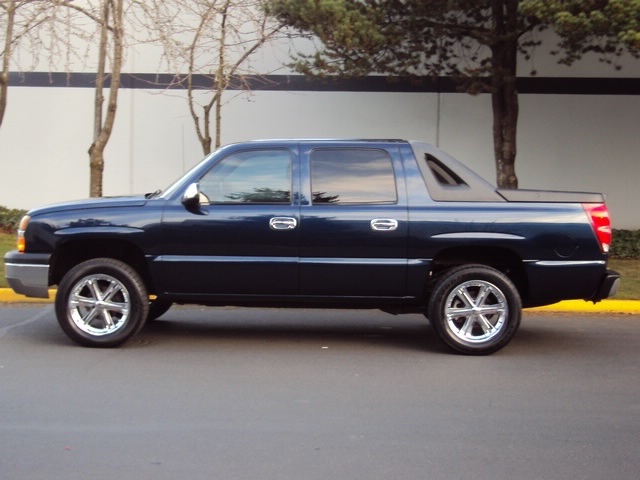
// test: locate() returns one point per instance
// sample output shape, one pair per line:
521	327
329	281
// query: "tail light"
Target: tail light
600	222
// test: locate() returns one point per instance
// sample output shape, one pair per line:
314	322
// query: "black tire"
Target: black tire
474	309
101	303
157	308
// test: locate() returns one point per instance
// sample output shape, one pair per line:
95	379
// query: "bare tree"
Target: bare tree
9	9
56	33
111	22
109	17
208	45
19	20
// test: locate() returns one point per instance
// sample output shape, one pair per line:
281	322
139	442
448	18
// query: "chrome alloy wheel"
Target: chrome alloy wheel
99	304
476	311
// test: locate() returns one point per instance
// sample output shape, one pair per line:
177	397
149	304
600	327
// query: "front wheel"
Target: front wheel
475	309
101	303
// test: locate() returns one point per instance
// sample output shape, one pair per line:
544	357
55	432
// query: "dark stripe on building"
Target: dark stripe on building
300	83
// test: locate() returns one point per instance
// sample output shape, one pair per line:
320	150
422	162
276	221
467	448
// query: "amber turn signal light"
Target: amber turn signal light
22	243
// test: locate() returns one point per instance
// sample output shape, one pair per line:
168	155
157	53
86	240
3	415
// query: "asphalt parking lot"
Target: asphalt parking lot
307	394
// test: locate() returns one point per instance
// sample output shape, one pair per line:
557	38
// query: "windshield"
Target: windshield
171	189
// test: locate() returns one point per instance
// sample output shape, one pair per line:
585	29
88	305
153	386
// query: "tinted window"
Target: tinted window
340	176
255	176
444	175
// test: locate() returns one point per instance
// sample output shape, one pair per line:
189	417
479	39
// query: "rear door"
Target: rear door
353	235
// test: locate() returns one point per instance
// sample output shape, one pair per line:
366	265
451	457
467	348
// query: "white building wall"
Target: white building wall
566	142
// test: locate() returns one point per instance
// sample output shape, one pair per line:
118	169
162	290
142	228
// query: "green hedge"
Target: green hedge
625	244
10	218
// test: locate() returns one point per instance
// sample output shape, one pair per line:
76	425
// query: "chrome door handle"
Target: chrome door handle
384	224
283	223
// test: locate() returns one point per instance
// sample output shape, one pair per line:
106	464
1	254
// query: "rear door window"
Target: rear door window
352	176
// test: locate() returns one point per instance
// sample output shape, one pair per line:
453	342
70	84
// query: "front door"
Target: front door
243	239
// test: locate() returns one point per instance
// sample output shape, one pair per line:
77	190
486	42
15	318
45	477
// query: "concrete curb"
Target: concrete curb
606	306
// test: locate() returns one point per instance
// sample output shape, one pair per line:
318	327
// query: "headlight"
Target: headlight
22	244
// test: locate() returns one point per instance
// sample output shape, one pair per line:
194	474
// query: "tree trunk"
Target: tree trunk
96	151
6	59
220	74
103	129
504	94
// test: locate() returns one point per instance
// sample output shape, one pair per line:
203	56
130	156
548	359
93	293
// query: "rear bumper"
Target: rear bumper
608	286
28	273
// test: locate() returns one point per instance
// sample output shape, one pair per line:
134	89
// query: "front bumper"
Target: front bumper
28	273
608	286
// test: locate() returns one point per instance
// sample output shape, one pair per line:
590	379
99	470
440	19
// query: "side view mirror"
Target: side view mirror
191	197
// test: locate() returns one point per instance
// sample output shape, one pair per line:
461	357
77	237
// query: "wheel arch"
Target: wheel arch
73	252
502	259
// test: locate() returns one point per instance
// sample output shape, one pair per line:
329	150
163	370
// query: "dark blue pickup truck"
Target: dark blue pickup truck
389	224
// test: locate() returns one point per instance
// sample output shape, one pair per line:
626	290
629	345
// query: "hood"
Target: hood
91	203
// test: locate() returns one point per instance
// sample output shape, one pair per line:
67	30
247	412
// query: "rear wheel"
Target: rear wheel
101	303
475	309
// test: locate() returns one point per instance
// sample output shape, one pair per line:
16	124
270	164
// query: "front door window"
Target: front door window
256	176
